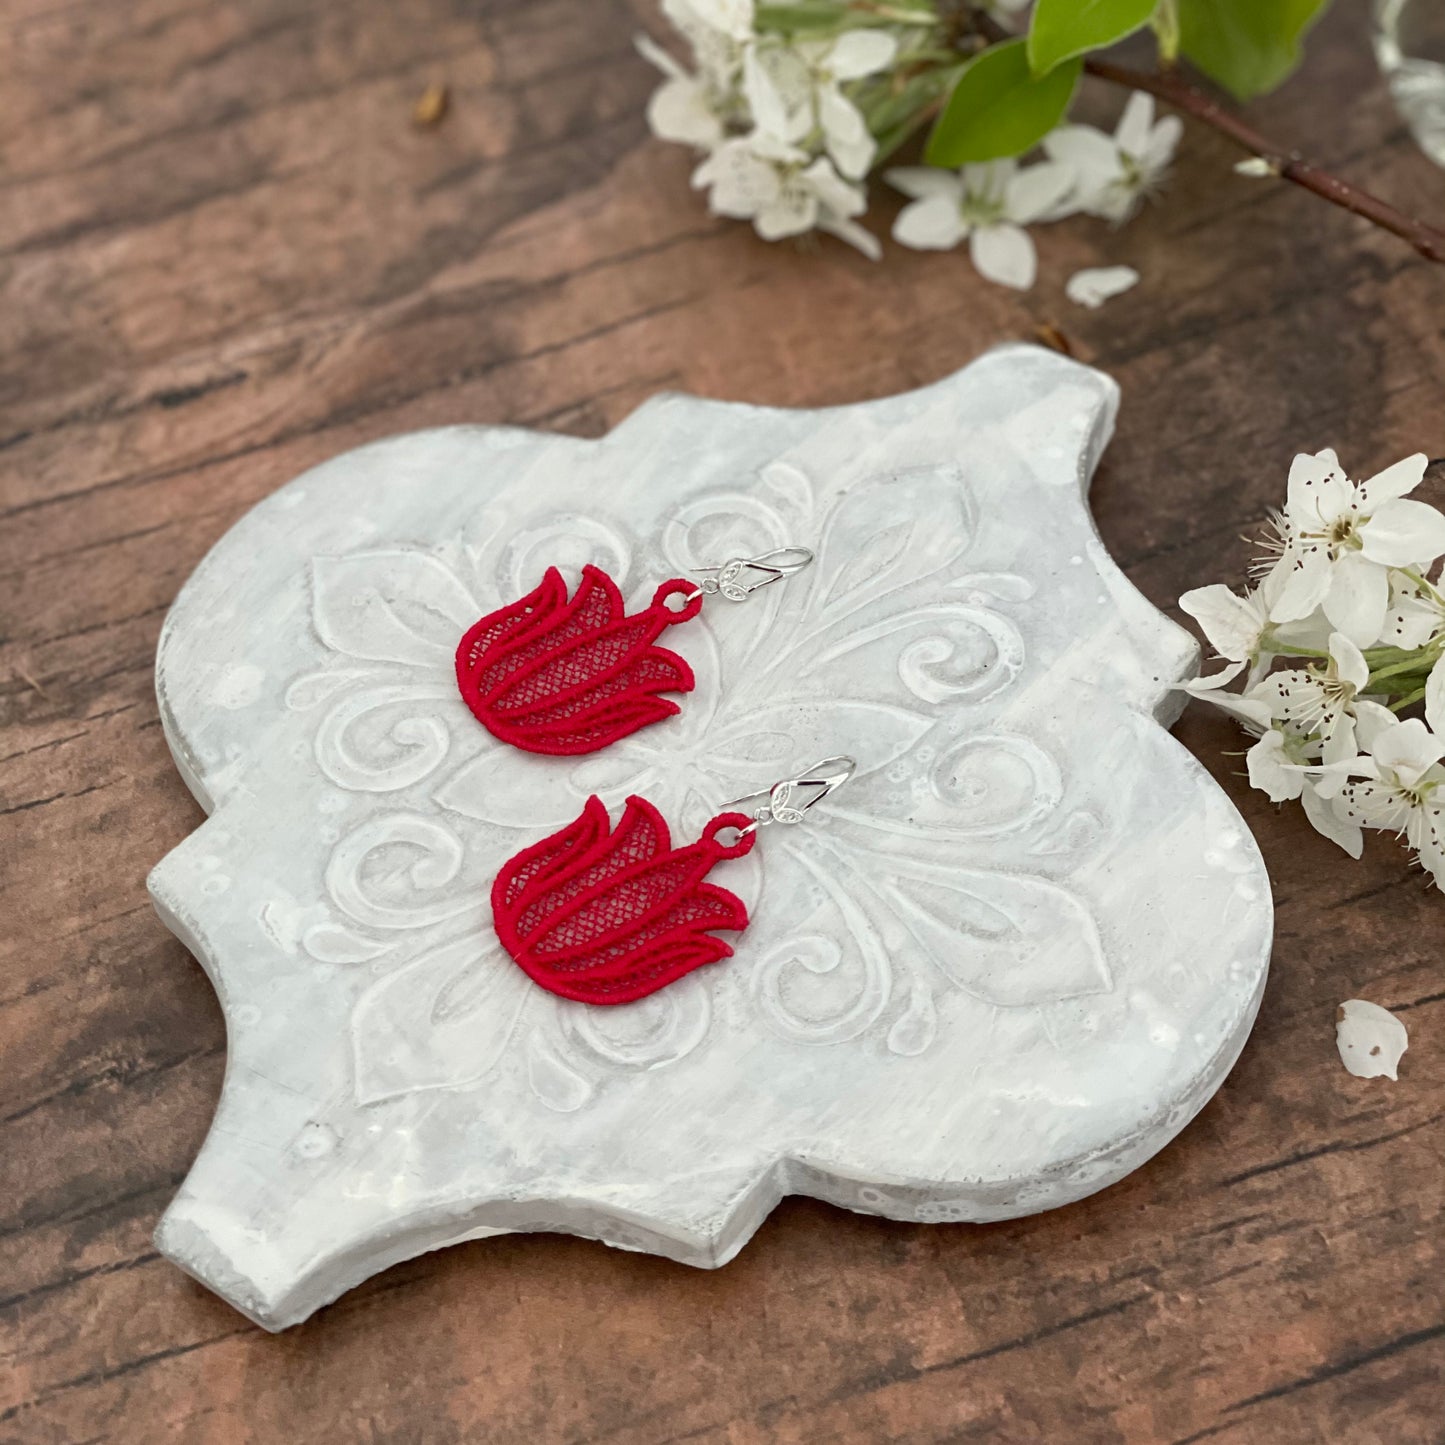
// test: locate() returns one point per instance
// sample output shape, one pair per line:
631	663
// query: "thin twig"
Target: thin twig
1174	90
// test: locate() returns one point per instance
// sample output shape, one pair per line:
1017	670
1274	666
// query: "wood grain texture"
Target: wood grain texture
225	254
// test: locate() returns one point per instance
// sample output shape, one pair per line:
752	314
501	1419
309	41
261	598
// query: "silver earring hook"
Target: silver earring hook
776	804
739	577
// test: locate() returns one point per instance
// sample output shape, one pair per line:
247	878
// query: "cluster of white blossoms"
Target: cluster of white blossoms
989	205
1339	653
784	127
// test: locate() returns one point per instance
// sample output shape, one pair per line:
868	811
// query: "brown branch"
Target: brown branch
1175	90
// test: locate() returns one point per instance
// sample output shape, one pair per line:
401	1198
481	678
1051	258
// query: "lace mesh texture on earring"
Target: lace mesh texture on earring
550	675
609	916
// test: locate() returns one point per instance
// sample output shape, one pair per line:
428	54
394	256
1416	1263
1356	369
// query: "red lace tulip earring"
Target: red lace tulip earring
606	915
549	675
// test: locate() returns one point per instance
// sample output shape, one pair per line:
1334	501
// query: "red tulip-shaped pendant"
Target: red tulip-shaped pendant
608	916
552	675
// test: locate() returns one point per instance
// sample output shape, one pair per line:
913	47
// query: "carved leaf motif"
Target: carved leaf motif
1003	586
876	731
876	555
554	1081
315	687
331	943
486	788
895	529
649	1034
442	1020
390	606
1008	939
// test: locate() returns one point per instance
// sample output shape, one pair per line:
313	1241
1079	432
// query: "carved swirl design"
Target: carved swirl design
411	748
415	895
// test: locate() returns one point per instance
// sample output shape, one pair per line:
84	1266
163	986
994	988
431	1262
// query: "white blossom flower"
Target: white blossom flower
1096	285
1415	614
1240	628
1340	537
1277	764
1113	174
782	191
987	204
1319	700
1284	766
1401	789
1235	626
682	109
795	91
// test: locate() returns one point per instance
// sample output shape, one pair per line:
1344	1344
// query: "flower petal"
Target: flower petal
678	112
1371	719
1253	712
654	54
1408	749
1318	488
859	237
1350	664
1358	598
1036	189
1412	619
1222	678
764	99
934	223
741	184
1329	824
920	182
846	134
1004	253
1090	152
1400	533
861	52
791	214
1095	285
1370	1039
1135	125
734	18
1231	623
1395	481
1306	570
1163	142
1435	698
1270	770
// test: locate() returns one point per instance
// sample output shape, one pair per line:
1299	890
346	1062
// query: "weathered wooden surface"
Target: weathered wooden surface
225	255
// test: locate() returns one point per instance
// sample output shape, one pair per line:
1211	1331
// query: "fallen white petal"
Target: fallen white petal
1257	167
1093	287
1370	1039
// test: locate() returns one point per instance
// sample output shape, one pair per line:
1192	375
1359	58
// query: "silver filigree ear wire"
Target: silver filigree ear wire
780	802
739	577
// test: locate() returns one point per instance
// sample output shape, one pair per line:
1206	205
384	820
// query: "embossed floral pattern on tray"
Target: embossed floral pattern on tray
447	1004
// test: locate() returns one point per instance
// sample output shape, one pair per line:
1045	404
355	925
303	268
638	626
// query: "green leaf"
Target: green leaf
897	116
1062	29
1248	46
999	108
802	15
